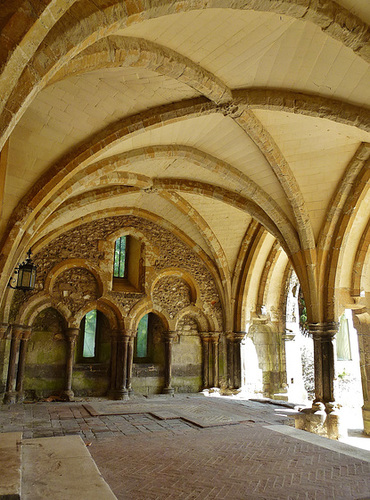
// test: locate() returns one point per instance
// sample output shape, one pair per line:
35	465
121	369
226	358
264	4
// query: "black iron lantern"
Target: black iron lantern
26	274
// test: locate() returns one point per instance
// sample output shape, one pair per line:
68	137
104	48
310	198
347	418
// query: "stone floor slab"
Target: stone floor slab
10	465
61	468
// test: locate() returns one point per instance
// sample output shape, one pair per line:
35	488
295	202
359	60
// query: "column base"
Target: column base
10	398
131	392
121	395
68	395
169	390
321	419
20	397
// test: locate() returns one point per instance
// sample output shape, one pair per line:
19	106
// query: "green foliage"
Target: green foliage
343	375
90	334
119	269
303	320
142	338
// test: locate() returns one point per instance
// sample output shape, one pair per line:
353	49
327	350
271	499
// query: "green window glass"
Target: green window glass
119	270
142	338
89	335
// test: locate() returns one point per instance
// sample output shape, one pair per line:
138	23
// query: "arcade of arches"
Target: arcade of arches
229	142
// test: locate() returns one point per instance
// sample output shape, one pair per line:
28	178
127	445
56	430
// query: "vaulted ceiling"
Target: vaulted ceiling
202	115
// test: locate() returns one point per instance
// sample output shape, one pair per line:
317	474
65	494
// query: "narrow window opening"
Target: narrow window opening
142	338
120	260
89	338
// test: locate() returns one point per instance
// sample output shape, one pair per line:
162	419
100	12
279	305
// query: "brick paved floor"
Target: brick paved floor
143	457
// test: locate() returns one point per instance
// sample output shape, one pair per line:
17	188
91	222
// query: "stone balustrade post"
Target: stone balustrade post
22	362
168	342
10	395
71	335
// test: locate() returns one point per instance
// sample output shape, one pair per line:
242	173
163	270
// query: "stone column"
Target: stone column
215	359
121	376
205	360
71	336
22	362
130	360
323	334
113	363
168	342
237	369
229	358
10	395
4	336
361	321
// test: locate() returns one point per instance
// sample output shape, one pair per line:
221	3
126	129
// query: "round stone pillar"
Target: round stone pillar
130	361
22	362
16	335
234	359
323	334
215	359
168	342
121	375
205	359
71	335
113	362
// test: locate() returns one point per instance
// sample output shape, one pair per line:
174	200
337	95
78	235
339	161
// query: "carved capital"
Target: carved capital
169	336
4	330
72	334
236	337
26	334
17	331
206	336
323	331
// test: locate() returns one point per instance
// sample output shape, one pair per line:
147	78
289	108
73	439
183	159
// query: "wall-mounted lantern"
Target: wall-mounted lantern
26	274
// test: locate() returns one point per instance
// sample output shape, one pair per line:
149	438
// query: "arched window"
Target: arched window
89	332
120	260
142	338
128	270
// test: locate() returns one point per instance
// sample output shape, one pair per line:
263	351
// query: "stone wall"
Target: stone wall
72	276
46	356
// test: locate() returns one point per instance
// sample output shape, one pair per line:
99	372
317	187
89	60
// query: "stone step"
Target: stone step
10	465
61	468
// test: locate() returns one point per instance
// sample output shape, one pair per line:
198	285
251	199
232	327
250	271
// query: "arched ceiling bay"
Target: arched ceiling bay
227	223
318	152
259	49
173	116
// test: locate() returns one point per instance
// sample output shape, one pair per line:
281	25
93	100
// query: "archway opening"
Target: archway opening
252	378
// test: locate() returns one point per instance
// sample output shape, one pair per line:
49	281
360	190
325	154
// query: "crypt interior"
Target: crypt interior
178	170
